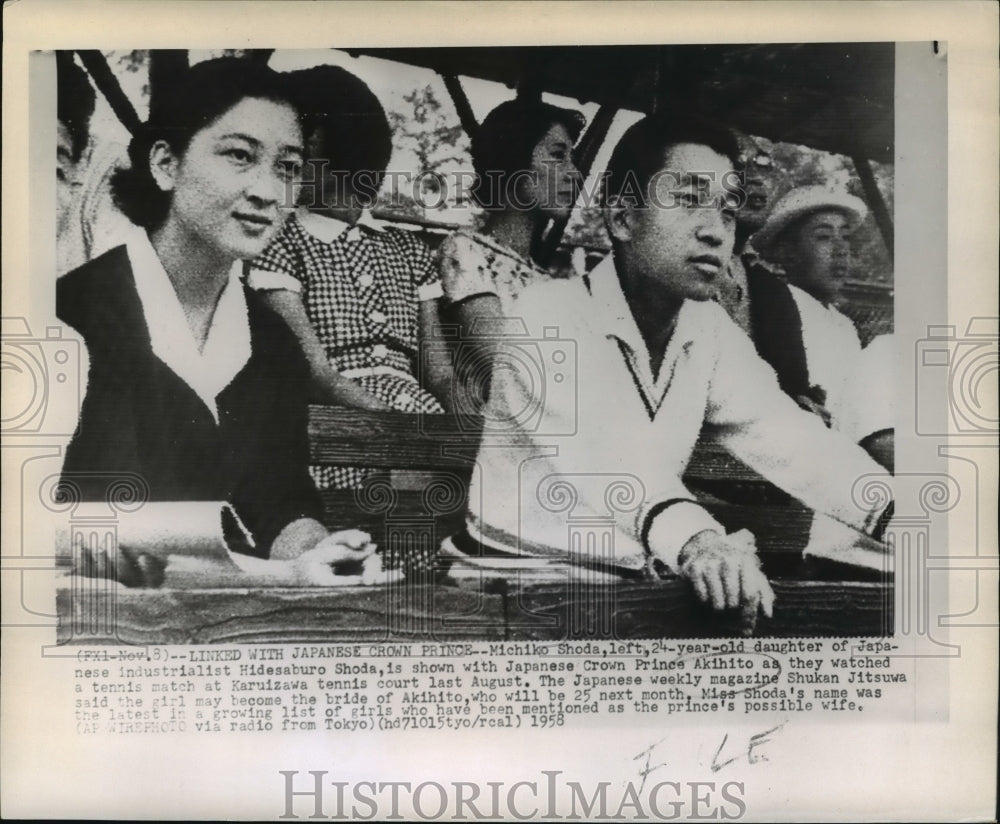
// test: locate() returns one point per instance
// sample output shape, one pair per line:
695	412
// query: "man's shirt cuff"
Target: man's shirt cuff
666	526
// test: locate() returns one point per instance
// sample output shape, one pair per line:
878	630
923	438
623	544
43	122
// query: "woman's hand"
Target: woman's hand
128	567
344	558
308	555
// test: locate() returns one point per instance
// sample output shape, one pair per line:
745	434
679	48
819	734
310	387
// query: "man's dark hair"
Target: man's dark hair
504	141
75	100
191	101
356	136
642	150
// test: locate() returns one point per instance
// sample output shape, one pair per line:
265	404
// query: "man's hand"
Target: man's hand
725	572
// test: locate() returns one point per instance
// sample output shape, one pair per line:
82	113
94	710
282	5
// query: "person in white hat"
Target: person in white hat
808	234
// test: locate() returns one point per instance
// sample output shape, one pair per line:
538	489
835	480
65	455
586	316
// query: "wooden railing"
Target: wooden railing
444	449
418	498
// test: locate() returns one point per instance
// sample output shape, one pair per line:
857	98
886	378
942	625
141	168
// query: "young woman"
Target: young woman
523	158
360	297
195	387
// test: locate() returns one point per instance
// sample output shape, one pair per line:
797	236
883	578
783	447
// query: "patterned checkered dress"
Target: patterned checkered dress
362	291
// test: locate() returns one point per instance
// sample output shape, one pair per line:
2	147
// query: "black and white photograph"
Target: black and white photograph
538	342
377	393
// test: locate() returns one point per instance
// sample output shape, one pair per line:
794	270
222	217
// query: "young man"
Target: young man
812	346
597	425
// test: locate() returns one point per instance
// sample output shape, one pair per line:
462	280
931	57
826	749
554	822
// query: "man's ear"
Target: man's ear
163	165
619	219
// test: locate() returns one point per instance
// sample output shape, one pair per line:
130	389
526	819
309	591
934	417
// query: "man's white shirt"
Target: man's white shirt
606	442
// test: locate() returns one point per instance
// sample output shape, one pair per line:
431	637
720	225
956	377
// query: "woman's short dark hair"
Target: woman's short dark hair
504	141
75	100
641	151
188	103
356	136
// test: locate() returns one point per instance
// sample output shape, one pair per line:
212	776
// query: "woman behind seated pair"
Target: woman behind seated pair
525	177
361	298
194	385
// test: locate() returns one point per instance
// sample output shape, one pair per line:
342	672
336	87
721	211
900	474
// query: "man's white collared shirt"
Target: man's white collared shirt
597	441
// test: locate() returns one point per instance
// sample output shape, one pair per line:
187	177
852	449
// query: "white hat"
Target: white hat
800	202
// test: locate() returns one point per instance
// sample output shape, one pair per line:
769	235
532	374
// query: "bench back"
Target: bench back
426	461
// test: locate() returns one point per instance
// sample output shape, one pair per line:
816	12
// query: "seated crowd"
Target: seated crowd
221	314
